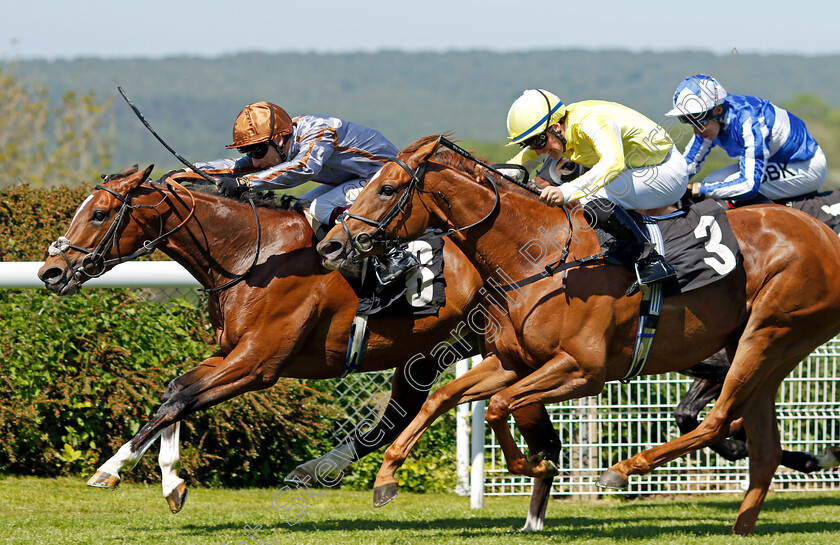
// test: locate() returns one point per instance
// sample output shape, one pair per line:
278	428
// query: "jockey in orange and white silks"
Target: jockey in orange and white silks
777	156
280	152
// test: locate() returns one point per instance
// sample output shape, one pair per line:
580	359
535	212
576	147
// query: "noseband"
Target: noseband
94	263
365	242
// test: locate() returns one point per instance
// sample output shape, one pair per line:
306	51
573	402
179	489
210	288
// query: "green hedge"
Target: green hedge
80	375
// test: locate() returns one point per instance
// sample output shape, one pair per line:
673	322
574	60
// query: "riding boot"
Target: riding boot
393	265
650	266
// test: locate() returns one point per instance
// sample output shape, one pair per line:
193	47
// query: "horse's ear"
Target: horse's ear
131	180
422	154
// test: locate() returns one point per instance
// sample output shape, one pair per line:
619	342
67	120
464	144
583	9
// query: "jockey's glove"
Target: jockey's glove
231	186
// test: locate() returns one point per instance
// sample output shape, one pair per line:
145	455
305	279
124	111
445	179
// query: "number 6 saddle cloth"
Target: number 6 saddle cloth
824	206
421	292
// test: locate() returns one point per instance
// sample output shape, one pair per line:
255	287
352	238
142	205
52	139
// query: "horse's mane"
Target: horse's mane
460	163
265	199
447	157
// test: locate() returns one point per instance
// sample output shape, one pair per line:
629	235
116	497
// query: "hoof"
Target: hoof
385	493
830	458
551	470
101	479
177	497
611	479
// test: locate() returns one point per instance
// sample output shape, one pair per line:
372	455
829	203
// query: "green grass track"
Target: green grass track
64	511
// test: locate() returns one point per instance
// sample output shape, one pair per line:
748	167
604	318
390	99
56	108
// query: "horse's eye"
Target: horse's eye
99	215
387	190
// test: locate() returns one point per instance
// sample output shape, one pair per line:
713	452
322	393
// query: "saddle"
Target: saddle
696	241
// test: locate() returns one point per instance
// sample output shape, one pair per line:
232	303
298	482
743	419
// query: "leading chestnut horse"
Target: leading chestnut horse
288	317
565	336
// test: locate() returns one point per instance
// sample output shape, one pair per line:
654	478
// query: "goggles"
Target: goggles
536	142
257	151
696	119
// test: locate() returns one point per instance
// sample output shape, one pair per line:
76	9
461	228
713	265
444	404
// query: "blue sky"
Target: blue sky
53	29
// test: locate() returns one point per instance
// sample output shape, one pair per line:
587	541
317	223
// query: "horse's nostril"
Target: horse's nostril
50	274
330	248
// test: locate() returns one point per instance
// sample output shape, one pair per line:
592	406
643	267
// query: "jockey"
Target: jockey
630	158
281	152
778	158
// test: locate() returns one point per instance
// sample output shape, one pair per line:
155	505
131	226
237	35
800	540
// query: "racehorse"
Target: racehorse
287	317
565	336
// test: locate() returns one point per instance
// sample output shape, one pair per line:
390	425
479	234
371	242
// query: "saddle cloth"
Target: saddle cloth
697	242
421	292
823	206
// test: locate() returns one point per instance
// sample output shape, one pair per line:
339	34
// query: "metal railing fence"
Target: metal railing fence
623	420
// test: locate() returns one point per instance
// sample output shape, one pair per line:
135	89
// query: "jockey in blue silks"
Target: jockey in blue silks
777	156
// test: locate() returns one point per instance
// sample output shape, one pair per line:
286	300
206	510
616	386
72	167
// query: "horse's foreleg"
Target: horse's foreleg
478	383
558	380
216	380
407	396
543	442
108	474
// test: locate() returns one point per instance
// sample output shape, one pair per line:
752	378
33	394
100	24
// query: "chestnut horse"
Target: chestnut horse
289	317
565	336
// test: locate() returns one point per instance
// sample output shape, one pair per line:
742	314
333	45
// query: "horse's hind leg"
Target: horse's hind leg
704	390
701	392
765	451
763	359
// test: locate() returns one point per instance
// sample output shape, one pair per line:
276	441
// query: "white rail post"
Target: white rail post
477	451
462	437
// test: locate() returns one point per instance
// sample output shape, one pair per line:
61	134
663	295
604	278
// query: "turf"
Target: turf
64	511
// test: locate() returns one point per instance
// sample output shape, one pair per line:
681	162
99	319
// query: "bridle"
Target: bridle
365	242
93	263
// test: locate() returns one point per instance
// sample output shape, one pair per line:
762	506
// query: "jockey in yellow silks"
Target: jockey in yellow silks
631	161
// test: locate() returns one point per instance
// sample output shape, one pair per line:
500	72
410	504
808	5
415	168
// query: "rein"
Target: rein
364	242
550	270
240	277
94	263
197	172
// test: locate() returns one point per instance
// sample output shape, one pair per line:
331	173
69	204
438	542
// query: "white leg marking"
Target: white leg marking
169	458
125	458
